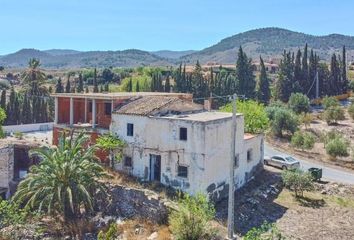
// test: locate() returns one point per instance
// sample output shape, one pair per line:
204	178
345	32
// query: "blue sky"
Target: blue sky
159	24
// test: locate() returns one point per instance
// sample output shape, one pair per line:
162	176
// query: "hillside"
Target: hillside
172	54
76	59
270	43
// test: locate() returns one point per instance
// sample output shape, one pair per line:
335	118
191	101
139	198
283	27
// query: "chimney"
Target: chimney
207	104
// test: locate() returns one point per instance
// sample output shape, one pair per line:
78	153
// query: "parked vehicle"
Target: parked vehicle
283	162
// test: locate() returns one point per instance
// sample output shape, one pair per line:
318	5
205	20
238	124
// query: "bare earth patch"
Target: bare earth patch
326	213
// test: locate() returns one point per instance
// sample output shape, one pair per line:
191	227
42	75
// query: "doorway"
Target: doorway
155	167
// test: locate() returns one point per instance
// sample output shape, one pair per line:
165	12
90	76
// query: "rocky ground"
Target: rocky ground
326	213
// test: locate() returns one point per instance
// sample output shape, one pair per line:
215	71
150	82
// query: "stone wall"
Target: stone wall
6	165
134	203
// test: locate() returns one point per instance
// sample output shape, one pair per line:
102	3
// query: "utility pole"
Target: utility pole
231	212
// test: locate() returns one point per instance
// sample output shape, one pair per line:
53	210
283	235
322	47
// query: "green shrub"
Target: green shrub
266	231
351	111
18	135
256	119
328	136
337	147
11	214
328	102
299	103
297	181
309	141
351	85
112	233
306	119
333	114
191	220
303	140
297	140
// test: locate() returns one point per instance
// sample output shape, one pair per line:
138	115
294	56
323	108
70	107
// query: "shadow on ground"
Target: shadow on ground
309	202
254	203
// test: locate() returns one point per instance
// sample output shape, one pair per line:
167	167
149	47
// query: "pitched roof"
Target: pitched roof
152	105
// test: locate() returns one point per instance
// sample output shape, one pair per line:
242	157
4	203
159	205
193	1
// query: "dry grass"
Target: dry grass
142	229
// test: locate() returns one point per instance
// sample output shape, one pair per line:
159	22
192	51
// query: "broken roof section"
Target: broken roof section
159	106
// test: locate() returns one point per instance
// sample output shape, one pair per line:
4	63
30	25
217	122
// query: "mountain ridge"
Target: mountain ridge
269	42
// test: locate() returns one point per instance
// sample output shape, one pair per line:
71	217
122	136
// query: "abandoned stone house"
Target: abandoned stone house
15	162
169	138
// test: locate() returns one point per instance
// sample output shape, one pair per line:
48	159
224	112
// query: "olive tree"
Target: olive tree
303	140
337	147
297	181
282	120
333	114
299	103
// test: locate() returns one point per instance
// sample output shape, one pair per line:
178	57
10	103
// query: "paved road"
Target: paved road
328	173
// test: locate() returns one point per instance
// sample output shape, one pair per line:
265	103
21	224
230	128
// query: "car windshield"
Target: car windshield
290	159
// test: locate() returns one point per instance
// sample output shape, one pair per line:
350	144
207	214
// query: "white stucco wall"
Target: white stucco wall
24	128
206	152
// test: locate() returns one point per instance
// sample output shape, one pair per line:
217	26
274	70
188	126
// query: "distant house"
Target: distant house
270	67
169	138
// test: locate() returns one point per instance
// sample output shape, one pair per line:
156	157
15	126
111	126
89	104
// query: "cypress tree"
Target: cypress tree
305	71
17	110
298	79
106	87
3	99
335	76
80	86
244	75
67	86
263	88
137	88
10	108
95	84
345	82
284	85
130	85
167	84
26	110
59	86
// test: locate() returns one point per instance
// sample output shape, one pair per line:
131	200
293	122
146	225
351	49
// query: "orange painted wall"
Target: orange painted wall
102	155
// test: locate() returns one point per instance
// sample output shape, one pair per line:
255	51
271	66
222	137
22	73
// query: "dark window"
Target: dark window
108	108
130	129
237	161
183	134
182	171
90	107
128	162
249	155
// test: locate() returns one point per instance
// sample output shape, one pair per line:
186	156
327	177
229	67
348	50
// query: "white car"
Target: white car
283	162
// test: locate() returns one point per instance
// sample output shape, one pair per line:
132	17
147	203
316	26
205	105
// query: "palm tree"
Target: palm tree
34	78
65	180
